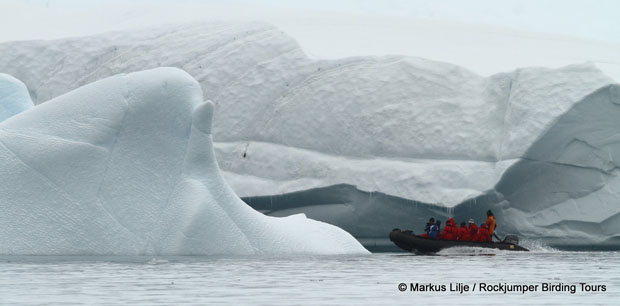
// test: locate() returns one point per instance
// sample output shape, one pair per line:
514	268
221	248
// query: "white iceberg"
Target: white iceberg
126	166
404	126
366	143
14	97
565	188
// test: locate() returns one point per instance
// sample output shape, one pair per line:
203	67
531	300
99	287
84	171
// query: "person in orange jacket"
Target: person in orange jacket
483	234
451	231
473	229
463	233
491	223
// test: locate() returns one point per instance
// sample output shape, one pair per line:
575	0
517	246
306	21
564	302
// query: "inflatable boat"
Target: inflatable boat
417	244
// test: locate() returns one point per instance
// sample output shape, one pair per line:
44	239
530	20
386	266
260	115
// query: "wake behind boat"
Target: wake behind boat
417	244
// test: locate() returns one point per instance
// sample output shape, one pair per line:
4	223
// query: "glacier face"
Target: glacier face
14	97
380	133
404	126
126	165
564	189
577	162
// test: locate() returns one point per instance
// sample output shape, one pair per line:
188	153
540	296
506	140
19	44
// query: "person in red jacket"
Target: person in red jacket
446	234
455	230
451	231
463	233
483	234
473	229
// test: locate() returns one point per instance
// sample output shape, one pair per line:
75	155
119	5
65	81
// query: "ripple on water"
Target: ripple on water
314	280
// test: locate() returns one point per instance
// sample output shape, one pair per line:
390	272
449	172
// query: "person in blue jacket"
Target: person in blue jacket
427	228
435	230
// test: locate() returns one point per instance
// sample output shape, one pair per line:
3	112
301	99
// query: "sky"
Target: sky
485	36
598	19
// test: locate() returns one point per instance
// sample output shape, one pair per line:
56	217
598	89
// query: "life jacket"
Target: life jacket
464	234
473	231
483	234
451	231
433	231
491	223
446	232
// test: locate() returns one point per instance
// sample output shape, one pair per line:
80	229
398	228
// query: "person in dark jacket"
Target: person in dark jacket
427	228
433	231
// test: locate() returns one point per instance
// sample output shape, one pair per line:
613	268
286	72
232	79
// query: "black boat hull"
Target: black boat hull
417	244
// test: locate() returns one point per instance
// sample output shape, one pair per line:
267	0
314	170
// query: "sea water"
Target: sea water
376	279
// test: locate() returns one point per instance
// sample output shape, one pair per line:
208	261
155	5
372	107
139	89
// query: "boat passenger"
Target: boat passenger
483	234
427	228
473	229
433	231
463	233
451	231
490	222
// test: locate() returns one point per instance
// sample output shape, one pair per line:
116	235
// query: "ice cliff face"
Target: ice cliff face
126	166
408	127
14	97
368	143
577	162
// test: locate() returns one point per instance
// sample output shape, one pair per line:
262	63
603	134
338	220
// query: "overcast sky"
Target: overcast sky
596	19
485	36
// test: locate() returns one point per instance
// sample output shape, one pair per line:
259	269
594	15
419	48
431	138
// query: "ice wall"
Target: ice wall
393	129
14	97
566	187
126	166
564	190
403	126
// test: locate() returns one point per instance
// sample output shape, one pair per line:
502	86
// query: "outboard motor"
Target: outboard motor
512	239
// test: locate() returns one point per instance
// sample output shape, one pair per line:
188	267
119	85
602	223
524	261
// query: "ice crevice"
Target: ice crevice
602	171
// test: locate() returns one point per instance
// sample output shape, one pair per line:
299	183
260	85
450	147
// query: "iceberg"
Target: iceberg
565	188
366	143
405	126
14	97
126	166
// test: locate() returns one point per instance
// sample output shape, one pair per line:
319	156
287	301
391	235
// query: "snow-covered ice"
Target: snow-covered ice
405	126
566	186
126	165
14	97
373	142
